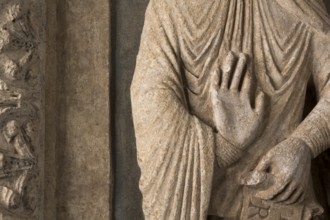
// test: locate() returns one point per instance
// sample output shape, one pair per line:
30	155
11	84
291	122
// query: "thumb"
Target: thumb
215	79
263	164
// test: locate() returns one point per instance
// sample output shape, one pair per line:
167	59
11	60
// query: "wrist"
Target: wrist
226	152
300	143
308	146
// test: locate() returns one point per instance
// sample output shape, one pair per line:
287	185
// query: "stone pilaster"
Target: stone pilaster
83	137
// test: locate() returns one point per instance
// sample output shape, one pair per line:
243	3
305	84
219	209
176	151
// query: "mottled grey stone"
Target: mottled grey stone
83	179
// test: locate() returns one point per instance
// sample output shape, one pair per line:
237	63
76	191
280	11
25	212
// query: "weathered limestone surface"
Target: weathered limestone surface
51	112
129	16
22	70
83	141
75	200
219	99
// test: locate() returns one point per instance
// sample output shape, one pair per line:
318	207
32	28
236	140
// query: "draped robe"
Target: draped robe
183	41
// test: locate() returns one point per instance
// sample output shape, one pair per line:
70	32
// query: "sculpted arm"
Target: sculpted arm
315	129
158	98
290	161
175	149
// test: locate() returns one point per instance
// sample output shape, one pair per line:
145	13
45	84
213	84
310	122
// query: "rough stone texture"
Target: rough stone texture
22	71
129	16
82	144
51	112
218	98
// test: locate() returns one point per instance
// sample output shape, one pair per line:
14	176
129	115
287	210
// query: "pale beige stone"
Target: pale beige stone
218	97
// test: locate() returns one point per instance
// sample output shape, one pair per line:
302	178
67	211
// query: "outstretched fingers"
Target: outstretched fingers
228	67
260	103
214	93
247	83
214	86
215	80
240	67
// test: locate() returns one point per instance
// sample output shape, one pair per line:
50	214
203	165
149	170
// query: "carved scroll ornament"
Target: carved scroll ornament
20	106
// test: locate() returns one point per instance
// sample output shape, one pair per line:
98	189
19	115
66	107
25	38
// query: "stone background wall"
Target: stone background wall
128	23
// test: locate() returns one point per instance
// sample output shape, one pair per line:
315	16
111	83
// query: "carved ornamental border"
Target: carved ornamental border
21	107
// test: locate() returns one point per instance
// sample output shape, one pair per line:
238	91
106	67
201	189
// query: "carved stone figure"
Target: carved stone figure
218	100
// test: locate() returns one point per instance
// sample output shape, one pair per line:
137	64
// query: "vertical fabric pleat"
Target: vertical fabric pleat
183	41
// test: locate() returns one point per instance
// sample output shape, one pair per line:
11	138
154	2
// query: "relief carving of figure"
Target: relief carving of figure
219	98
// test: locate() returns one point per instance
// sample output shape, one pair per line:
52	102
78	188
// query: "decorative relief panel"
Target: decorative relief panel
20	106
